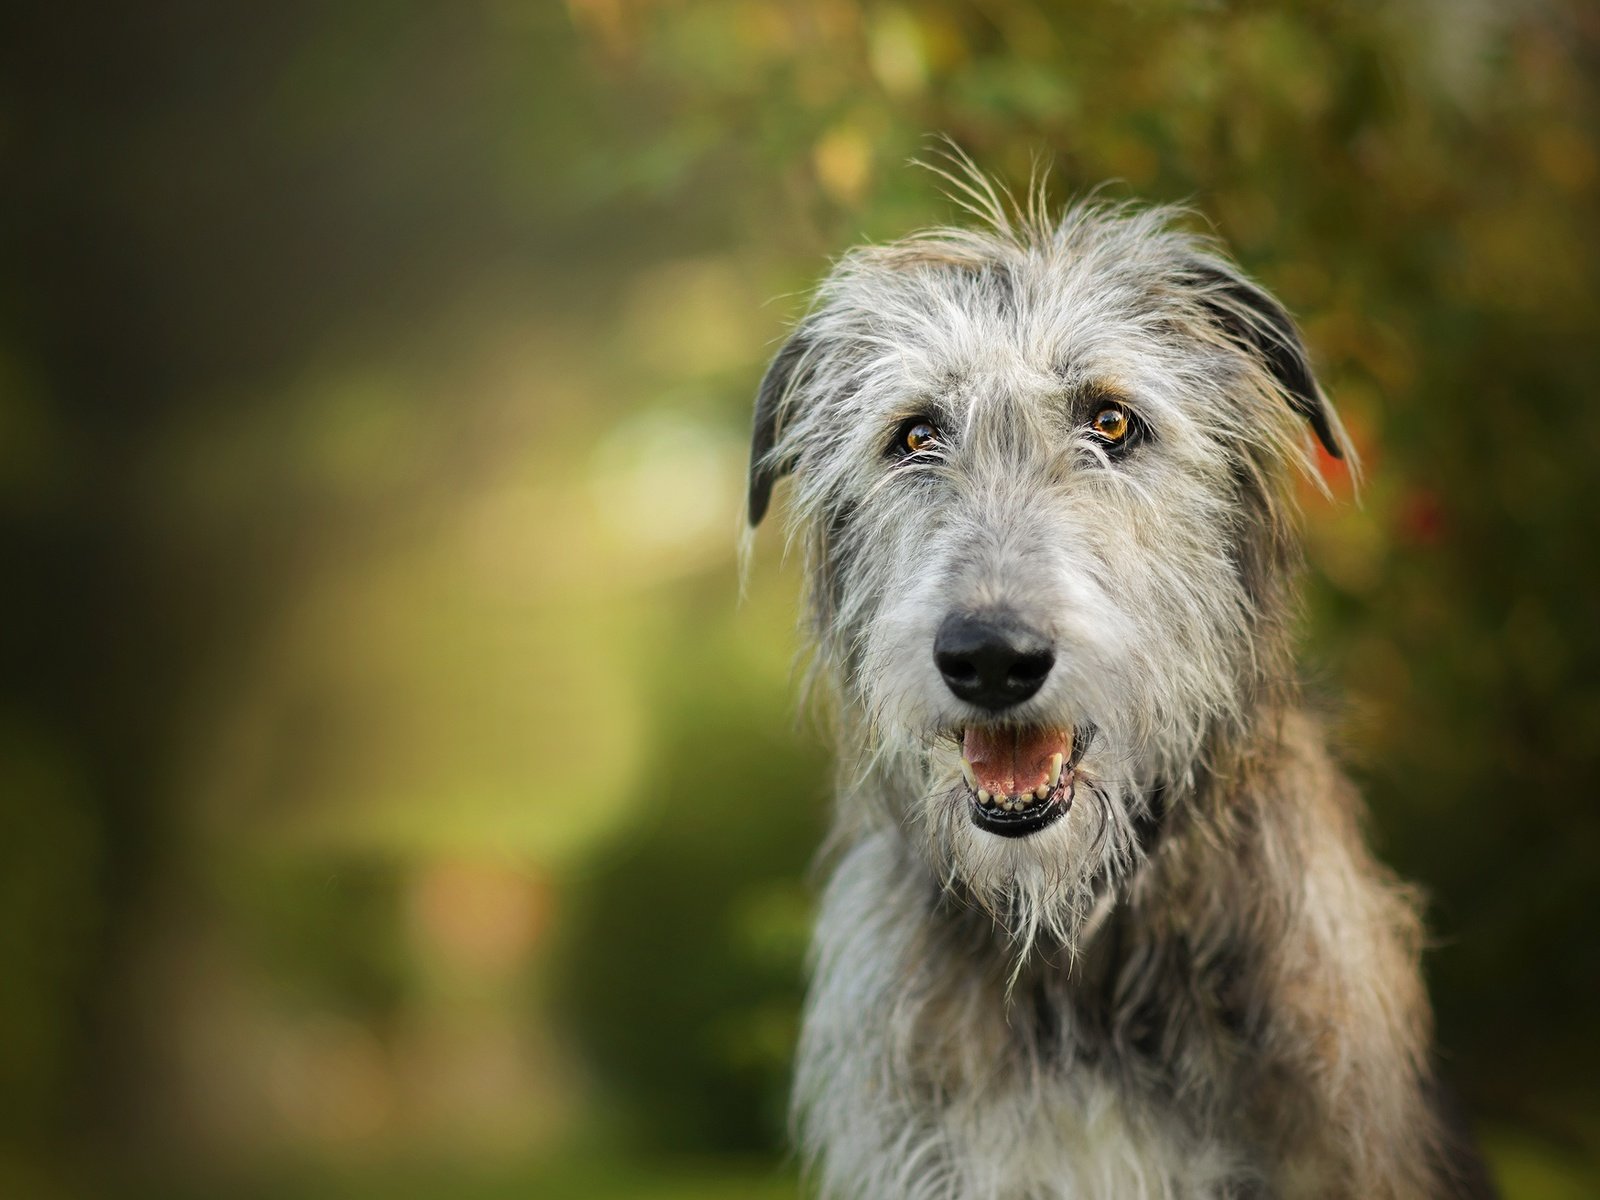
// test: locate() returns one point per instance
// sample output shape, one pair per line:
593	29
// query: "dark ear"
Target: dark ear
1262	326
775	385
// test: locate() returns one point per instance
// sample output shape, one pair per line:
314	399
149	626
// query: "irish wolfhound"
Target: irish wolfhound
1101	922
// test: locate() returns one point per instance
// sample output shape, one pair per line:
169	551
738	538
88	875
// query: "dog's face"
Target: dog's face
1042	481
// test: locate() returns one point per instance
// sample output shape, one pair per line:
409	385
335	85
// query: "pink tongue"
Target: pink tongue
1008	762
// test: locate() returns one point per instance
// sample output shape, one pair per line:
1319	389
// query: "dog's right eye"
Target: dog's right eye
918	435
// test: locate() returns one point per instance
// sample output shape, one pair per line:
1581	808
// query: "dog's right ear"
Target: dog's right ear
781	377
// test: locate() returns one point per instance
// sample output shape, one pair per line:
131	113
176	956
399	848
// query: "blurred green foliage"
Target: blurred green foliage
398	799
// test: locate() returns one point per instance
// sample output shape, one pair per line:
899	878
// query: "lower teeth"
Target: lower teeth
1016	803
1008	803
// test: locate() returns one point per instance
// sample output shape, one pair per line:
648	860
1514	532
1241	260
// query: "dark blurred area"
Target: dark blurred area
398	797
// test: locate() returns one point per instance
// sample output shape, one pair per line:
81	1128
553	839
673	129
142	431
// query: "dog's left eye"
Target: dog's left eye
1112	423
918	435
1116	427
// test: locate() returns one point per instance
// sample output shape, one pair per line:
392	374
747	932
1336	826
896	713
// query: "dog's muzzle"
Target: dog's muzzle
1019	778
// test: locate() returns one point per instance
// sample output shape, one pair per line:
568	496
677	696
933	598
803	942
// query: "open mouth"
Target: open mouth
1018	780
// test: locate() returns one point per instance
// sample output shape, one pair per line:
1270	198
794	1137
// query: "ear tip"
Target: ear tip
759	499
1325	430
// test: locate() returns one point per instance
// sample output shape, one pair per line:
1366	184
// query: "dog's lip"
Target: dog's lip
1031	820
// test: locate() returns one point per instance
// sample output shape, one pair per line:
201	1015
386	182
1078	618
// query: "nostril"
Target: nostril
958	671
1030	669
957	668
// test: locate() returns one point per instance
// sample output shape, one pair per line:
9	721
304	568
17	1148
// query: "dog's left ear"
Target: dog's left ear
1263	327
776	384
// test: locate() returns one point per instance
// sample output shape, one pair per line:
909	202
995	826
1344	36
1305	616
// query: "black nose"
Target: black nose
993	661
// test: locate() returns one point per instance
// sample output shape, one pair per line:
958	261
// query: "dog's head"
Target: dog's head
1042	472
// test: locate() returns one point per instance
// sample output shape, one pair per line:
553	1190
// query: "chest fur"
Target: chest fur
1084	1137
924	1074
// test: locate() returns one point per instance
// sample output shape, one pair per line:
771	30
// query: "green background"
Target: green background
396	796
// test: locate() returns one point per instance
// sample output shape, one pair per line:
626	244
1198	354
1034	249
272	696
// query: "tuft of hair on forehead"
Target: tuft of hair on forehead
1009	230
1090	233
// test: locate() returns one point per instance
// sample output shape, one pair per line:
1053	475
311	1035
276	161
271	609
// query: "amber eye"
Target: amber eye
1111	423
916	435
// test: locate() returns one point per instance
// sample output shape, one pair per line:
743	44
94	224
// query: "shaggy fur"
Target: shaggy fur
1198	982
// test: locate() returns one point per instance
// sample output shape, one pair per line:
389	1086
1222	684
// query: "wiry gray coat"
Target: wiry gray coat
1198	982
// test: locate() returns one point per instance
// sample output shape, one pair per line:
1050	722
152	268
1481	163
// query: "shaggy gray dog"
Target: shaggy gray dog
1101	921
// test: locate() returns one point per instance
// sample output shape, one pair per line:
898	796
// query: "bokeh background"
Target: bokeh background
396	797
